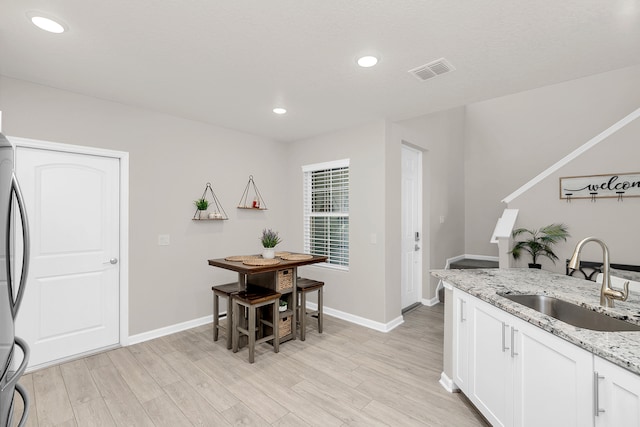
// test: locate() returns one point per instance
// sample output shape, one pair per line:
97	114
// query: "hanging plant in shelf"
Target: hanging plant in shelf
257	202
202	204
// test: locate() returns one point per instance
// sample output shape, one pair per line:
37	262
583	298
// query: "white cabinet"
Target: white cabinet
552	379
491	370
460	339
517	374
617	395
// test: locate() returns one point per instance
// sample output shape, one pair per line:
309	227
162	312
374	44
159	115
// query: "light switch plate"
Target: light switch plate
163	240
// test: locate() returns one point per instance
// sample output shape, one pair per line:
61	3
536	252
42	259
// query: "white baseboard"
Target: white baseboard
448	384
31	368
168	330
431	302
371	324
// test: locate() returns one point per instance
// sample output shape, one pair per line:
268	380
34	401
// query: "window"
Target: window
326	212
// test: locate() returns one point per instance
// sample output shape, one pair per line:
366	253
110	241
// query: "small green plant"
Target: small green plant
270	238
201	204
541	241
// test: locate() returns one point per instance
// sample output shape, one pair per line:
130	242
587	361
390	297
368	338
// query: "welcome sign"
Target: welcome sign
600	186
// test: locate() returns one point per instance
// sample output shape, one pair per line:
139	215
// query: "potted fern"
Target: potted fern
540	243
269	241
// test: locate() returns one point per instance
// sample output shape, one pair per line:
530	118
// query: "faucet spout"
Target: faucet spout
607	293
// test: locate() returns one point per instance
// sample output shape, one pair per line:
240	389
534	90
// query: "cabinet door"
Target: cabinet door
490	365
552	380
461	304
618	395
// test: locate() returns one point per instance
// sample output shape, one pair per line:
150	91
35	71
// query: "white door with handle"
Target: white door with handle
411	227
71	302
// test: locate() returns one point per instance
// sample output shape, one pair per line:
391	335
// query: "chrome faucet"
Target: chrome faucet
607	293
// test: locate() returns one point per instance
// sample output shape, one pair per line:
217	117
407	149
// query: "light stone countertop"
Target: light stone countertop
621	348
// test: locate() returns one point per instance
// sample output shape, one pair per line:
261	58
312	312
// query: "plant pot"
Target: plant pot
268	253
538	266
202	214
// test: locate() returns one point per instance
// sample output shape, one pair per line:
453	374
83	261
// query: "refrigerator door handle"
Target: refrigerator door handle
26	246
26	403
23	366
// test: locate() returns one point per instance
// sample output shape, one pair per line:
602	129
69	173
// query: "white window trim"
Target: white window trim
342	163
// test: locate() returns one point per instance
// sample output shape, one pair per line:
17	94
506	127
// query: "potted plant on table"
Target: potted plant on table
540	243
202	205
269	241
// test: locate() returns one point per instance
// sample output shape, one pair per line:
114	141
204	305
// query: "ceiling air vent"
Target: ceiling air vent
432	69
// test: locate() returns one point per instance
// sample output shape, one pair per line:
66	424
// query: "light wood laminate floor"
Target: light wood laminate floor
349	375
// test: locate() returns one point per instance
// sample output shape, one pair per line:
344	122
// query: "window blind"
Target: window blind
326	211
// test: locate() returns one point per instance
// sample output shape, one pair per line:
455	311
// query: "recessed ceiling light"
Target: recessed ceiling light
46	23
280	110
367	61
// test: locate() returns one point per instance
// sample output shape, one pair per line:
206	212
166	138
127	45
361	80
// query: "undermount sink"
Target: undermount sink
572	314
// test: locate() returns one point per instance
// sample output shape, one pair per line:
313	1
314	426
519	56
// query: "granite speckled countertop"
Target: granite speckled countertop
621	348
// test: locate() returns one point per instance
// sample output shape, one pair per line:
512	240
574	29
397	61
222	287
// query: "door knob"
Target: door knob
112	261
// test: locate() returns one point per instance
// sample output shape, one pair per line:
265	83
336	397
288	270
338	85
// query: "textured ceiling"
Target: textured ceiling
229	63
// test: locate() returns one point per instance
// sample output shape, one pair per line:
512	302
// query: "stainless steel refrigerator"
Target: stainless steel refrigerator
12	284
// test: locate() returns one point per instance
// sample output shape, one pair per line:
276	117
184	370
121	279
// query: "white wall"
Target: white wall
441	137
613	221
511	139
361	290
171	160
473	157
371	287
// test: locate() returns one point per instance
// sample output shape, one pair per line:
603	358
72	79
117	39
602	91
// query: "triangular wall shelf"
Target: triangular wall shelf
257	203
215	210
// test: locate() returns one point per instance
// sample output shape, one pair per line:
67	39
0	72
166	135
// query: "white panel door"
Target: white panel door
71	302
411	256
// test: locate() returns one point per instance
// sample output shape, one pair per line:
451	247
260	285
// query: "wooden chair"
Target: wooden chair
226	291
252	299
304	286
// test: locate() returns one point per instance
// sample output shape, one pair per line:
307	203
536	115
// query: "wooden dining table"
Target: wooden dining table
267	276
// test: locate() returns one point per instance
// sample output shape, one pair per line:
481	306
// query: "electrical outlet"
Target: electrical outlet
163	240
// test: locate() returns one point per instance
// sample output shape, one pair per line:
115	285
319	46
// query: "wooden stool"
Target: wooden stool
305	286
252	299
225	291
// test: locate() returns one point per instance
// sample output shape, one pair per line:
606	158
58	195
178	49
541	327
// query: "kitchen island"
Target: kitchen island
621	348
521	367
